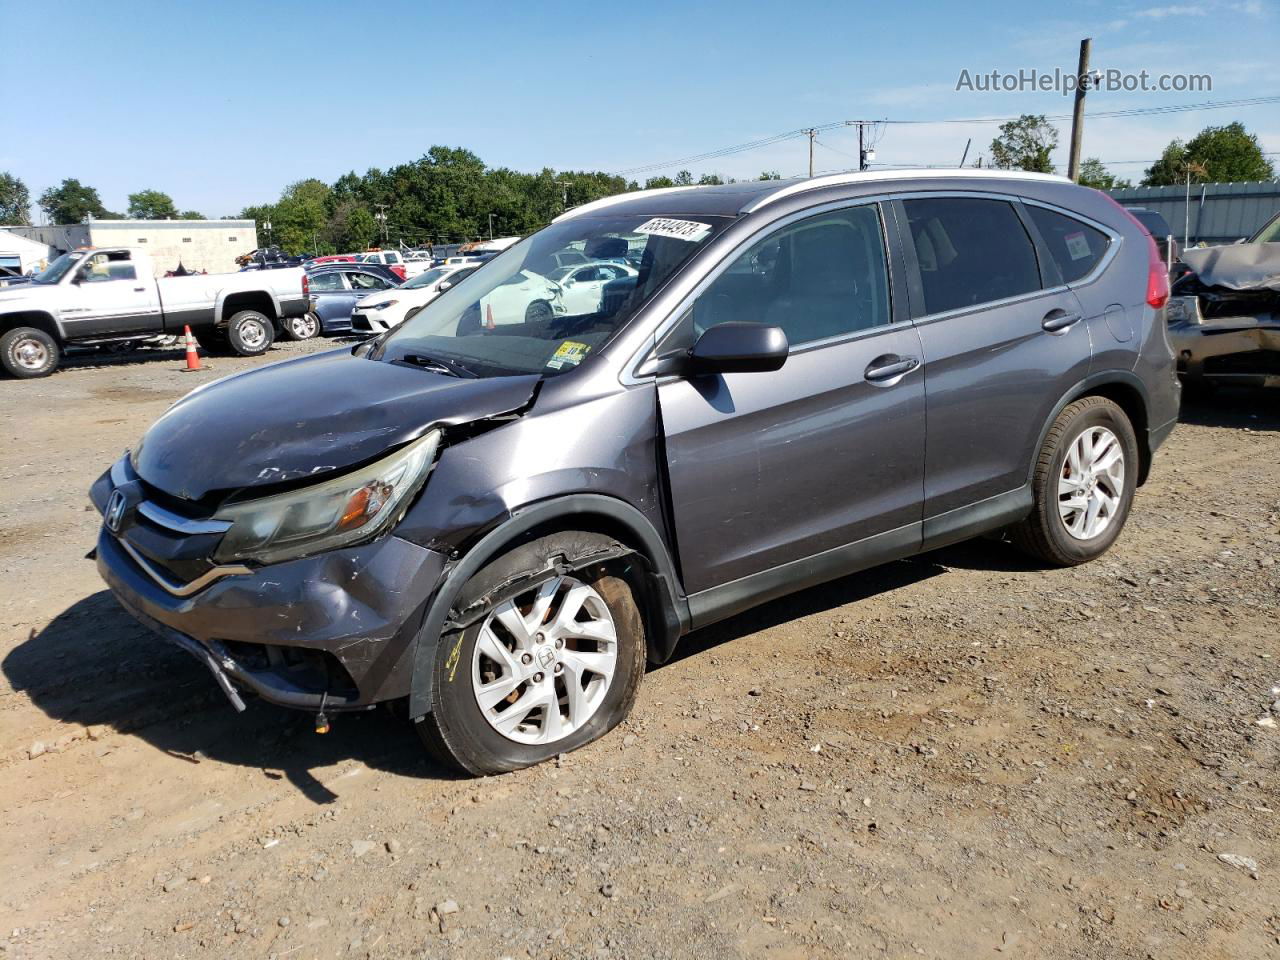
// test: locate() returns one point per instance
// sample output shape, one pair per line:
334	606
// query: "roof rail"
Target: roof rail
911	173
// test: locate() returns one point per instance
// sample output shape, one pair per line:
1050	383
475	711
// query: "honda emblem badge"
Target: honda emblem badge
115	511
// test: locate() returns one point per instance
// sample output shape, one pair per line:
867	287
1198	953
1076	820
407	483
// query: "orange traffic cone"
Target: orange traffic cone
193	358
489	317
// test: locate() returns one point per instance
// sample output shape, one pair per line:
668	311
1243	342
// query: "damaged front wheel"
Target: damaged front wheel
544	670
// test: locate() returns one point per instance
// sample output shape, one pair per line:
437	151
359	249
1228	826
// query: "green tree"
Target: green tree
770	175
1226	154
15	202
1094	174
73	202
152	205
351	227
301	217
192	215
1025	144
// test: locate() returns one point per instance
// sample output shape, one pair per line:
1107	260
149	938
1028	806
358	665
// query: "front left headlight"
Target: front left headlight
383	305
336	513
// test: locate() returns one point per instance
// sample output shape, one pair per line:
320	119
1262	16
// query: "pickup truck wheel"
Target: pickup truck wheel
301	328
28	353
250	333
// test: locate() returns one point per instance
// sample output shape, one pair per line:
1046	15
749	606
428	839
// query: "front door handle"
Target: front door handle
889	368
1055	321
139	289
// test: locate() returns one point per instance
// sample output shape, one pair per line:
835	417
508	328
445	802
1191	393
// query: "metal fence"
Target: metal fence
1215	213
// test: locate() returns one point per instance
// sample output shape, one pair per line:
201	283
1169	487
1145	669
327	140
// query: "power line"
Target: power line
826	127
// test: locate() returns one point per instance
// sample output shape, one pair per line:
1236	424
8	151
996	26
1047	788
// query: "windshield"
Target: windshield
58	269
427	278
1269	233
513	318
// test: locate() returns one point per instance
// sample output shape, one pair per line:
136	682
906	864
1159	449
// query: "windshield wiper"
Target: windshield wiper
438	364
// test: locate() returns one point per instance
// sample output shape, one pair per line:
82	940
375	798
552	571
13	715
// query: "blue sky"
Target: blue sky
223	104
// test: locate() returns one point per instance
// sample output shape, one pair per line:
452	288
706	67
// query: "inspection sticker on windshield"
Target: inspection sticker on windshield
568	354
689	230
1077	245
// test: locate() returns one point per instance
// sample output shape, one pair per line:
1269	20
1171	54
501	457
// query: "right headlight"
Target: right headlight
335	513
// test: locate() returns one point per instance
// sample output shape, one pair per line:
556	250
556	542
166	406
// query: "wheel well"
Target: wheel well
41	321
653	591
1128	399
249	300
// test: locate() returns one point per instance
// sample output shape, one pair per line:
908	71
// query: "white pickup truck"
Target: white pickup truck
103	296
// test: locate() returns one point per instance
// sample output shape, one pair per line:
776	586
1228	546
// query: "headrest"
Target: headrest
606	248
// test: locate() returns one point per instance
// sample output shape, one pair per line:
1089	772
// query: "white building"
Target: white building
21	255
209	245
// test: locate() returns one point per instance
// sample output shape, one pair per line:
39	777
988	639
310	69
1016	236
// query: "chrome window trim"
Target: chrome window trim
172	521
182	589
1112	250
632	374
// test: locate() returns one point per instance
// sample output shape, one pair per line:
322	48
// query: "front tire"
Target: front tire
542	672
28	353
250	333
301	328
1083	484
539	311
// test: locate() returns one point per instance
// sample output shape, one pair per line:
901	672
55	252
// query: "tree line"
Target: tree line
450	195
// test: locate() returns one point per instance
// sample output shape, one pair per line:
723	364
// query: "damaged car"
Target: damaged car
496	517
1224	316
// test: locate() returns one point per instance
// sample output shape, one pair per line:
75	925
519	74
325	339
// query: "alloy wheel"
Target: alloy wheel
1092	483
30	354
544	661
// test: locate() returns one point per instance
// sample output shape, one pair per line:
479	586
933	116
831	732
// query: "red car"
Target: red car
334	258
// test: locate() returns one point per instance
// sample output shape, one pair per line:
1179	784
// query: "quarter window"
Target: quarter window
1074	247
826	276
970	251
366	281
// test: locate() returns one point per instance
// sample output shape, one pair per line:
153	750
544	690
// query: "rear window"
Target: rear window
970	251
1075	247
1156	225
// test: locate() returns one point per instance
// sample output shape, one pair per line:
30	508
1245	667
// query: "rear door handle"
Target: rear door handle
1055	321
889	368
139	289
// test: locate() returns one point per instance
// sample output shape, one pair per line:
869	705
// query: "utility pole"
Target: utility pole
865	154
1077	116
491	226
564	194
813	135
862	154
382	215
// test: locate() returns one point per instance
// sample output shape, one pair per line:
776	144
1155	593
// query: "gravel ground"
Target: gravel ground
955	756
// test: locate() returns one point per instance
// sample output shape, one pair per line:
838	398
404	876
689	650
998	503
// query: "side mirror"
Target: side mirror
444	285
739	348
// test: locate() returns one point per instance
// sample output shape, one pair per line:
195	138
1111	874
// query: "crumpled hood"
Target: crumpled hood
308	417
1240	266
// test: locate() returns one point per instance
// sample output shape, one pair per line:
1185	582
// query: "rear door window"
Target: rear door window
325	282
366	281
970	251
1076	248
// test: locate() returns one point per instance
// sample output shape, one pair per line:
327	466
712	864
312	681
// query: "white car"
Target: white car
582	286
385	309
525	297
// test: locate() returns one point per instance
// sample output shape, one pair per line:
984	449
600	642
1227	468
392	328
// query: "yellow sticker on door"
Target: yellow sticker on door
568	354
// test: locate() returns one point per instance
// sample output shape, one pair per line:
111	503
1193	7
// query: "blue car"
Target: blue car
332	292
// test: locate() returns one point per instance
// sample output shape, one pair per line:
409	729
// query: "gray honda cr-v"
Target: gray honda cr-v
498	511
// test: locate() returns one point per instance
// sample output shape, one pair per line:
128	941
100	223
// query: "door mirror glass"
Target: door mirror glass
444	285
734	347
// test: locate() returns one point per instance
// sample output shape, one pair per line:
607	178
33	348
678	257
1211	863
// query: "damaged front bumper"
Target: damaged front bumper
1242	350
335	631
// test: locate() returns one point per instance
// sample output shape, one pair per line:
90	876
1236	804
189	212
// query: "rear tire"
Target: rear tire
250	333
484	733
28	353
301	328
1089	459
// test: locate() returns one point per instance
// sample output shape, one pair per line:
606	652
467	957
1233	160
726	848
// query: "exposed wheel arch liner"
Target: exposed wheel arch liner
667	616
40	319
1128	392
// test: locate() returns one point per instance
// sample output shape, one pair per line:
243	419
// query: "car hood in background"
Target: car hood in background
308	417
1241	266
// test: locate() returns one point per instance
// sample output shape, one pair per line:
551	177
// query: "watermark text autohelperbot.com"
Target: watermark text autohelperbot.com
1031	80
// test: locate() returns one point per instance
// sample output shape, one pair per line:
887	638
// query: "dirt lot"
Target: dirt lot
955	756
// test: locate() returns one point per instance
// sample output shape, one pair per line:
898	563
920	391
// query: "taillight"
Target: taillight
1157	276
1157	272
306	285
